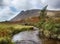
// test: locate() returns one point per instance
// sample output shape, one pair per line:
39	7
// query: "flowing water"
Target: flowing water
27	36
31	37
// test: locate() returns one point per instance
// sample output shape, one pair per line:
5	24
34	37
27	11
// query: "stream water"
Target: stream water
31	37
27	36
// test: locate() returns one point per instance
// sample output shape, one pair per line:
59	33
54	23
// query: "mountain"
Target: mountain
34	12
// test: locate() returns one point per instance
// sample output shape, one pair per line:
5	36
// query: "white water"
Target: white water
27	35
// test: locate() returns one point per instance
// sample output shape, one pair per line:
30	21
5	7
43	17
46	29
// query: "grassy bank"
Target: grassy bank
8	30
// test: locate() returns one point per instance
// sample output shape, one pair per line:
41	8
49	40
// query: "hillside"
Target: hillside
33	13
26	14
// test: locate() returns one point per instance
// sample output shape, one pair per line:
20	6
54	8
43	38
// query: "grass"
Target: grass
8	30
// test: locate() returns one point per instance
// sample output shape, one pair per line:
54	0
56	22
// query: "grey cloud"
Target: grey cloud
5	11
52	4
1	2
26	4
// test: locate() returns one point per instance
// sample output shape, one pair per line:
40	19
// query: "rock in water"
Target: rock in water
27	37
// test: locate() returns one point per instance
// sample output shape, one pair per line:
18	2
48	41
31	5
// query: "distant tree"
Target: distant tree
42	17
43	12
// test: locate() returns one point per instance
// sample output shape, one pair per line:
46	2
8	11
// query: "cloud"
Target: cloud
52	4
5	3
5	11
19	4
35	4
25	4
5	14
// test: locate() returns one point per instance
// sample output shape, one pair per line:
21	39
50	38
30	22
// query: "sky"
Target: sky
10	8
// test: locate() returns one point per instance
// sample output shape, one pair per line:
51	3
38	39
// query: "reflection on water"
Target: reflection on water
27	35
33	36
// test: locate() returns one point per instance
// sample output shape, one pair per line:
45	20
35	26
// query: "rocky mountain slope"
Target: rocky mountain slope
26	14
34	12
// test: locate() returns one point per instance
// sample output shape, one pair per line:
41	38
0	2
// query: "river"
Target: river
31	37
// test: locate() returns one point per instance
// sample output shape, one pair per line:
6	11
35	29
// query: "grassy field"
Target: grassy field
8	30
